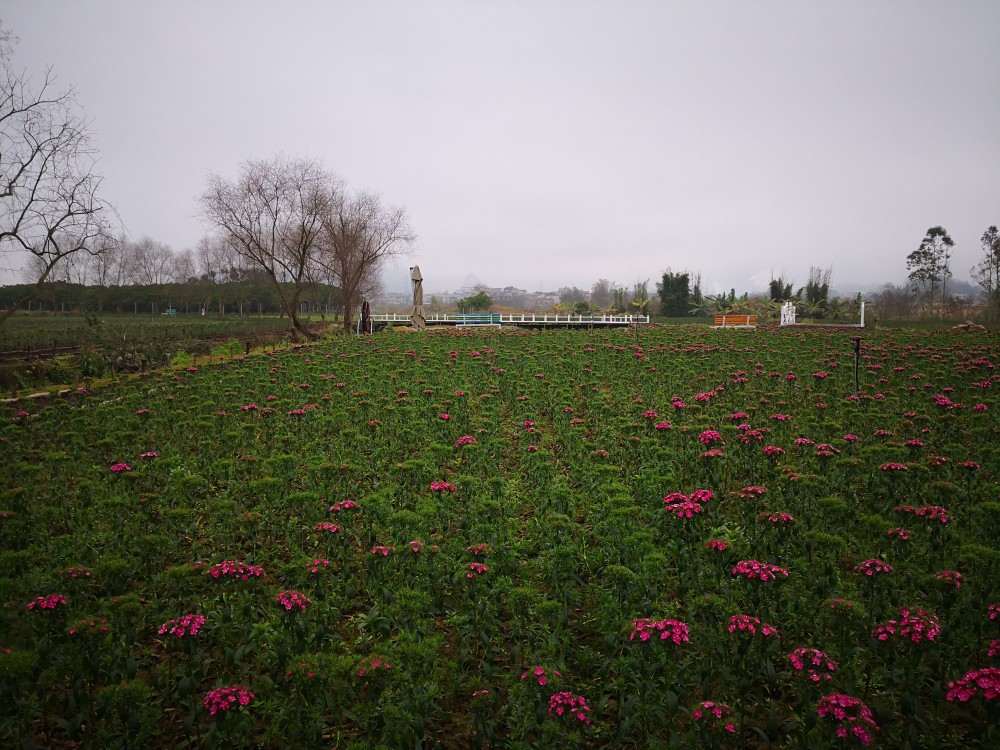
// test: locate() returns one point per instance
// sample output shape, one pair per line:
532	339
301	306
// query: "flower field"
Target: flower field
512	539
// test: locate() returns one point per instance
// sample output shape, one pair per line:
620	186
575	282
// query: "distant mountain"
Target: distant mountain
850	289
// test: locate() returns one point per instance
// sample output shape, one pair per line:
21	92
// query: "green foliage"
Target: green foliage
332	466
674	293
478	302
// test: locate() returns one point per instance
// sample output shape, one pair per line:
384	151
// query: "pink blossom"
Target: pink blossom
950	576
852	717
816	665
669	630
568	704
52	601
236	570
711	713
873	566
749	624
986	680
184	626
754	570
222	699
293	600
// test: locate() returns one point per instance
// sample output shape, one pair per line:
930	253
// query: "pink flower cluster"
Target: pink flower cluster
776	518
750	624
382	549
712	713
893	466
918	626
817	665
993	611
327	526
222	699
669	630
73	572
235	569
540	674
986	679
773	451
950	576
343	505
719	545
374	666
293	601
901	534
89	627
853	717
932	512
52	601
568	704
442	486
184	626
479	549
708	437
750	492
476	569
316	565
465	440
873	566
120	467
754	570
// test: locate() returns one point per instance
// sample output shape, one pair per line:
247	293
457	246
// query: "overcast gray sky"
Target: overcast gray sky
543	144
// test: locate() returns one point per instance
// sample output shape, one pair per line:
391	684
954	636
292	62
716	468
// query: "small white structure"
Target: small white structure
788	314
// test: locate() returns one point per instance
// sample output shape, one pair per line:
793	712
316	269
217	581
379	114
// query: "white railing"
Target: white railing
545	319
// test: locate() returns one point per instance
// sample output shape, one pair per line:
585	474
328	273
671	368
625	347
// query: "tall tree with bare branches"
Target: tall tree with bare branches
361	235
272	214
49	204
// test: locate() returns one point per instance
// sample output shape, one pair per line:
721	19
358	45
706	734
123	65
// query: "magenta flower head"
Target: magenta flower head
465	440
293	601
120	467
186	626
221	700
851	717
753	570
541	675
986	680
950	576
873	566
708	437
52	601
749	624
812	662
235	570
711	714
571	706
645	628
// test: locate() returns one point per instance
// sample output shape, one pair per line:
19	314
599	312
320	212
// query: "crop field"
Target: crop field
35	331
507	539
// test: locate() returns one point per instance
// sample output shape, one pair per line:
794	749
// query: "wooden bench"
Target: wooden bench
477	319
735	321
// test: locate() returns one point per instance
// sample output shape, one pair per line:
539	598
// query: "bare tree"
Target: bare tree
271	214
361	235
986	273
49	209
152	262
